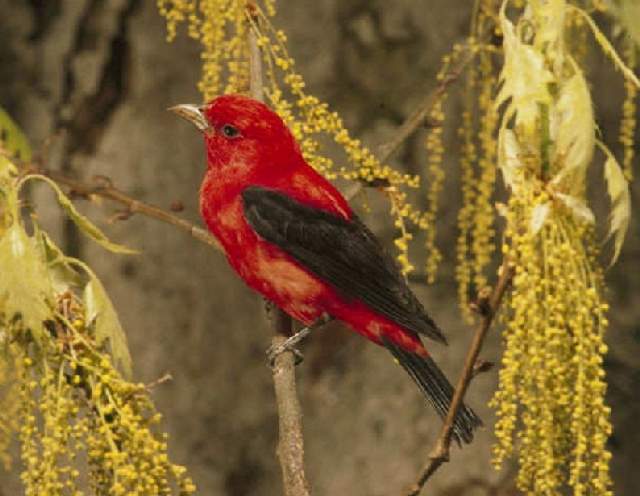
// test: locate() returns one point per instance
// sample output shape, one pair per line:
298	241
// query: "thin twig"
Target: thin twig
489	308
291	441
425	107
420	115
132	206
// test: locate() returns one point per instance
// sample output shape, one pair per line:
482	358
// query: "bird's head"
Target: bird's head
241	134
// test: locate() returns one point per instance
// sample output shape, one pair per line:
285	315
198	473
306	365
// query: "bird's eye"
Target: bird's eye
229	131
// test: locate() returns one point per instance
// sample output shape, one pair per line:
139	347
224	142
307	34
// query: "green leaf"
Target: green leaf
25	287
539	216
99	311
573	131
618	189
63	276
524	78
7	169
12	139
83	223
509	159
577	206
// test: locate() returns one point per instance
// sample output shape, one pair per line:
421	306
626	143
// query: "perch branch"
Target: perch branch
488	307
291	441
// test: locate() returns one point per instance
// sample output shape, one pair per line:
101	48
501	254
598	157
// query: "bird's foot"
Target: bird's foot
276	350
290	343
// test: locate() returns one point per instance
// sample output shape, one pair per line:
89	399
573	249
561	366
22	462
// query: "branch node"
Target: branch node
440	453
120	215
481	366
482	305
176	206
102	182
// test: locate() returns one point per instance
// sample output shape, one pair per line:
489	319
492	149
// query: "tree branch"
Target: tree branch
105	189
488	307
419	116
425	107
291	440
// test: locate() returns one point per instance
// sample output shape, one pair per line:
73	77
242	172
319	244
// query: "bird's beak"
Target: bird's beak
194	114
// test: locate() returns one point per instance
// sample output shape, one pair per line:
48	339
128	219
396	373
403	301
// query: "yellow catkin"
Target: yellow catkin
9	406
62	395
466	133
402	242
435	171
73	405
483	231
220	26
628	123
550	400
552	376
577	37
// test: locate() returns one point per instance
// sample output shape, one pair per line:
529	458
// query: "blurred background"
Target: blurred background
91	80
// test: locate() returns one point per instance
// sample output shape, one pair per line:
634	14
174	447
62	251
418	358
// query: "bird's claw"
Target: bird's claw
290	343
274	351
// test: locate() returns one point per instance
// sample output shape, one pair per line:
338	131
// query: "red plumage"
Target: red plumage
278	164
291	236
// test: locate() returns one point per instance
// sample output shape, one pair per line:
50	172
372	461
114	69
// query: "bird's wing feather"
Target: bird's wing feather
343	253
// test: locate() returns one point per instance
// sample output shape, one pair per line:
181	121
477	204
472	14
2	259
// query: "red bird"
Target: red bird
292	237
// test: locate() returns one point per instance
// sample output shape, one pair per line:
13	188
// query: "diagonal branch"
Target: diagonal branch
421	114
106	190
488	308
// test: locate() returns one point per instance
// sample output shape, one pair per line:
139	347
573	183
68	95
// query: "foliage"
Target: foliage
14	142
551	390
60	338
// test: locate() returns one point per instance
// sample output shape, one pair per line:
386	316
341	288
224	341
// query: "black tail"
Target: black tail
435	386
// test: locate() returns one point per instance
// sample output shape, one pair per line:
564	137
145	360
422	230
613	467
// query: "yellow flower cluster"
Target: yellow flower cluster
435	170
552	383
210	22
75	404
476	238
551	388
9	405
468	157
629	109
483	233
80	422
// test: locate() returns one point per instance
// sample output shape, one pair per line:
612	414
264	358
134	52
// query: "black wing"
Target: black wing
344	253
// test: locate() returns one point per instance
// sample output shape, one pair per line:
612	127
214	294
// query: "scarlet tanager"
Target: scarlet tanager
292	237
